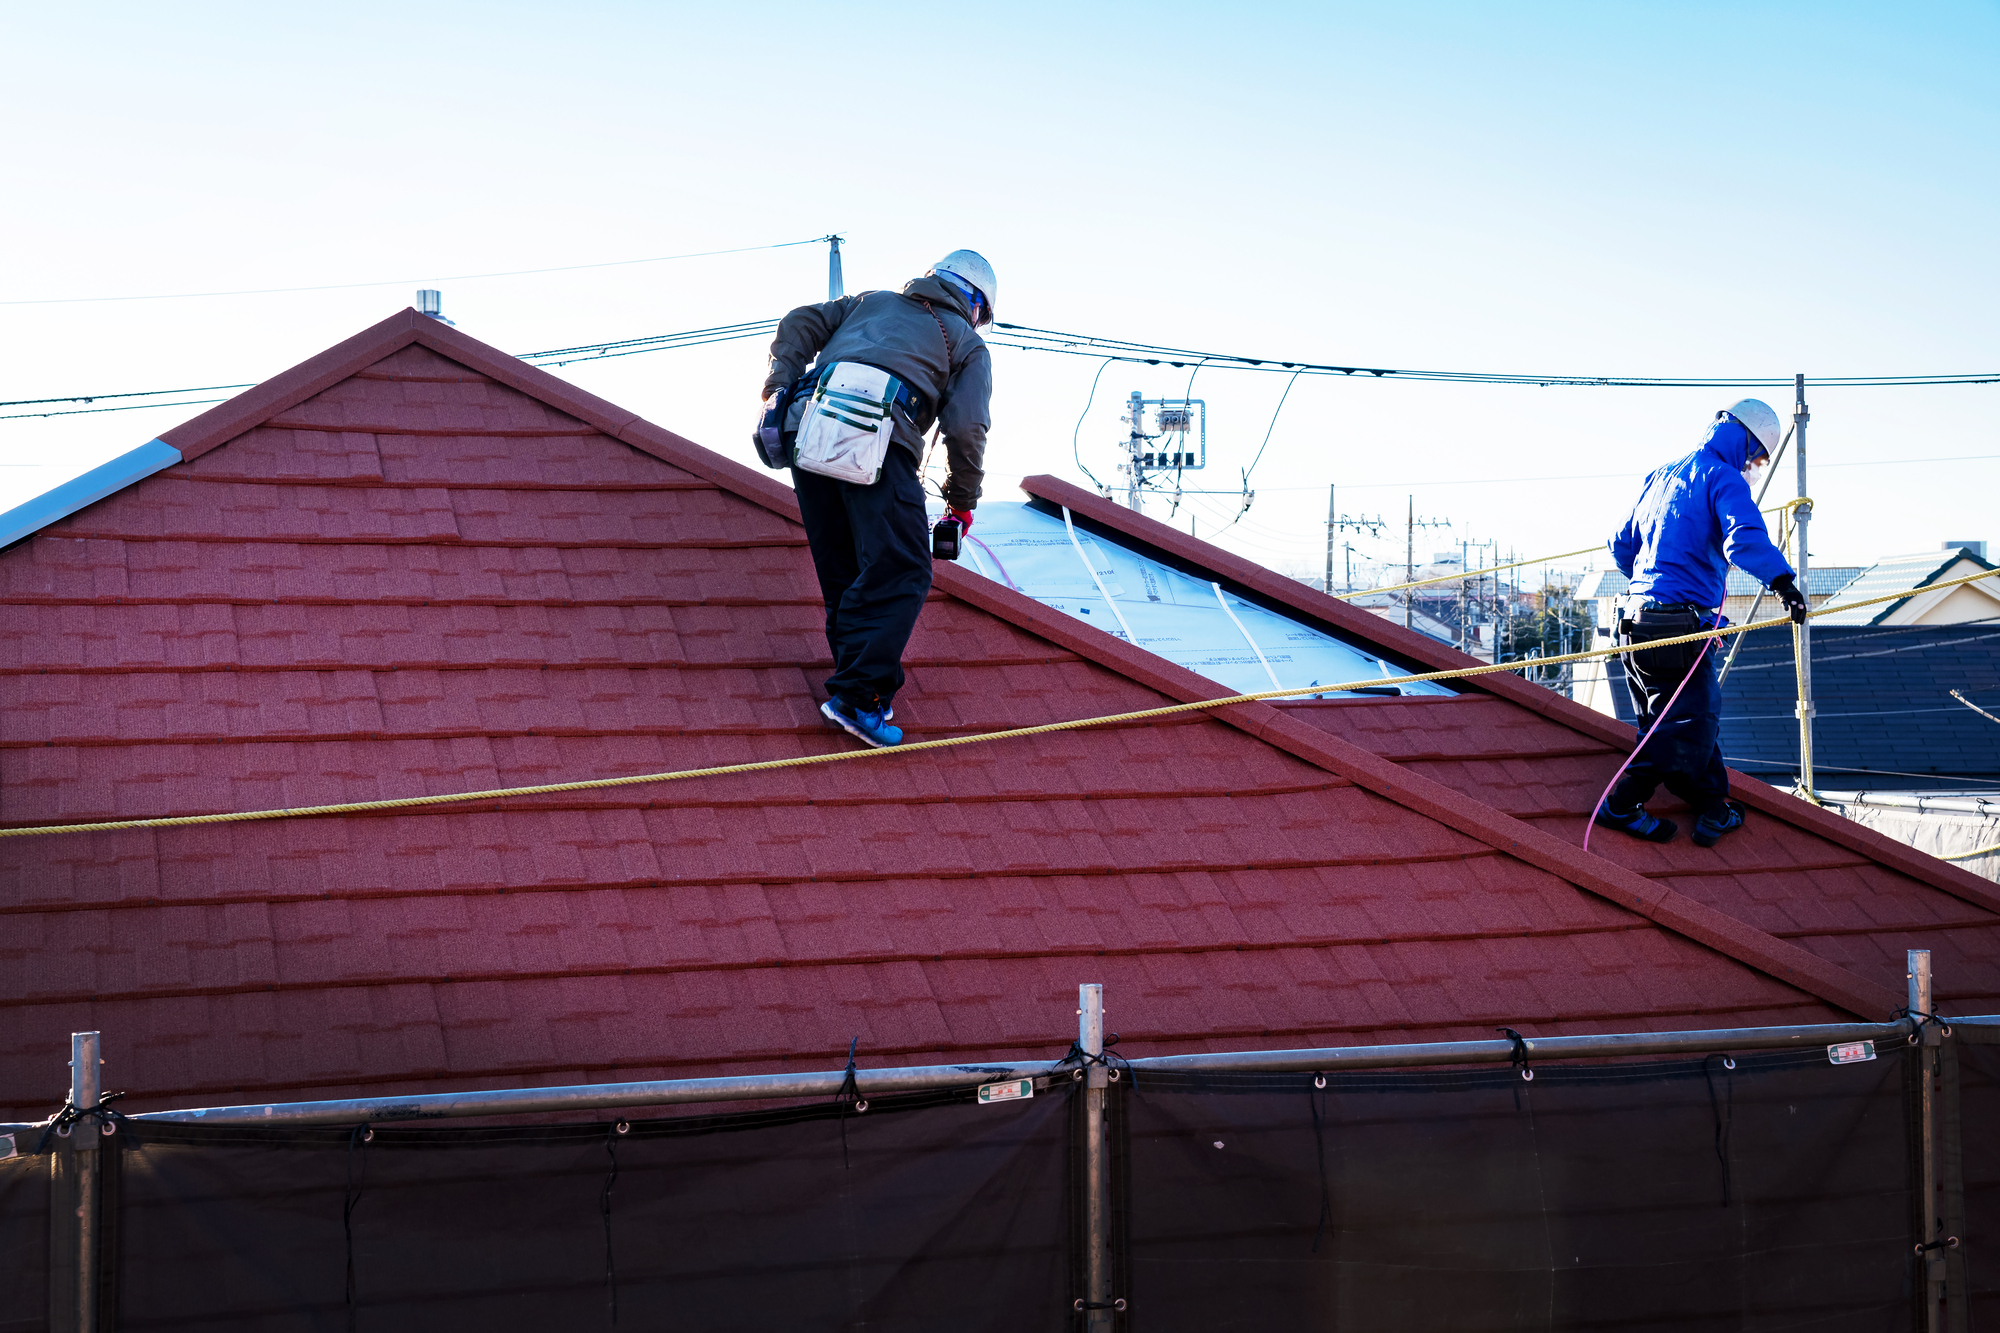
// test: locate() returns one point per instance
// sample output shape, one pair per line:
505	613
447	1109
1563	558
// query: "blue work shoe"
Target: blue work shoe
1637	823
871	725
1708	830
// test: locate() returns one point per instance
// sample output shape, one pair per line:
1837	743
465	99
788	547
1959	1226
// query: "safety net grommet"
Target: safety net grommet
1319	1080
108	1128
1729	1062
622	1127
1112	1075
859	1107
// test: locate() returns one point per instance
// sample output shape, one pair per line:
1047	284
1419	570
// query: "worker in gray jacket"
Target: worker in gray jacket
886	367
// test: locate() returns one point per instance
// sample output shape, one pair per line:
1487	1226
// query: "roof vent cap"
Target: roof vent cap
430	302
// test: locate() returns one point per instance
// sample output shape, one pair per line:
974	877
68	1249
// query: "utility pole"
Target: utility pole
1134	444
835	287
1326	585
1802	634
1410	567
1410	559
1339	522
1465	595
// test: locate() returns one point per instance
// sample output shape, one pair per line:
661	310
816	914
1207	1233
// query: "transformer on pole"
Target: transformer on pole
1167	448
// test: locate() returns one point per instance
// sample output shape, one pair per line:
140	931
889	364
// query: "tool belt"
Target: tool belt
1644	621
838	421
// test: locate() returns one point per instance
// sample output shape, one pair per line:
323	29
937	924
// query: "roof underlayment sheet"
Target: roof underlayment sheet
1191	622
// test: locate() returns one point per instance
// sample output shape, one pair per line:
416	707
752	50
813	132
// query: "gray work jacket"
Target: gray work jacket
894	332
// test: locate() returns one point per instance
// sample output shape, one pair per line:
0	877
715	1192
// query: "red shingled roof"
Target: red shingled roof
414	565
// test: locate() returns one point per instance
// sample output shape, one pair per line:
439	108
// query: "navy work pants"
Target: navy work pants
871	548
1685	754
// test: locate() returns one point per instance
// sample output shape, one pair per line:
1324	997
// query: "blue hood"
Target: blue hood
1695	518
1731	441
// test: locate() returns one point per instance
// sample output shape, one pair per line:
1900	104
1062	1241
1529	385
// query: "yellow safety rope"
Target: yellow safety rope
1967	856
843	756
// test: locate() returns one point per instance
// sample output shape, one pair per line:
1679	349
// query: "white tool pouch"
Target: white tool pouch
848	423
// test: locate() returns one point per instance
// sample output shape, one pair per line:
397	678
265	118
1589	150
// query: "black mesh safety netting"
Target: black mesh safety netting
24	1240
913	1215
1761	1193
1976	1219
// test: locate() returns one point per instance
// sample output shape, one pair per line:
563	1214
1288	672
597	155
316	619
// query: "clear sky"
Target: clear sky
1605	188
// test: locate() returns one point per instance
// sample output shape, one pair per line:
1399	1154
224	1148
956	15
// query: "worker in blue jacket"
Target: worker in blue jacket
1695	518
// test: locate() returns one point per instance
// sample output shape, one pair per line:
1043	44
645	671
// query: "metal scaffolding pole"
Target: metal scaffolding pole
1802	633
74	1198
1927	1176
1096	1302
431	1106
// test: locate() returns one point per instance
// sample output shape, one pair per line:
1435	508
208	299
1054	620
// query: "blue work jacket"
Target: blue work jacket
1695	518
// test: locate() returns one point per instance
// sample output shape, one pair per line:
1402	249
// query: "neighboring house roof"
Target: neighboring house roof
1819	582
1951	606
1884	715
414	564
1597	583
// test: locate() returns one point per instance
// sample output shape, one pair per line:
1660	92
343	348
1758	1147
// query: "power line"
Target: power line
560	356
144	393
1028	338
128	407
398	282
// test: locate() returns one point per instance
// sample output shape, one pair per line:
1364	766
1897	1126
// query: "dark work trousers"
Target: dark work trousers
871	547
1685	754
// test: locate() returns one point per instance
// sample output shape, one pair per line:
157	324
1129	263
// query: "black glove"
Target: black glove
1788	592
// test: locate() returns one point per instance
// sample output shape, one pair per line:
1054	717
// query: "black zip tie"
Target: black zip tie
1948	1243
70	1115
1520	1053
848	1097
611	1134
360	1135
1918	1018
1104	1057
1082	1304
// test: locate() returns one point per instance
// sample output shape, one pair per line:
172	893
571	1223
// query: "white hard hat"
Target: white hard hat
970	267
1756	414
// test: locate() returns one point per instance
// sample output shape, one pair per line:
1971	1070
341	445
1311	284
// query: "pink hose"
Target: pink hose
1590	822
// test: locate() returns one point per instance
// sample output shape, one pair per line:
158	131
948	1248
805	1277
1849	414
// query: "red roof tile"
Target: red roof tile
415	565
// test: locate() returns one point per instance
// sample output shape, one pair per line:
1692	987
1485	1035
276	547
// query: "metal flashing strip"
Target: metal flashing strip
828	1083
106	479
